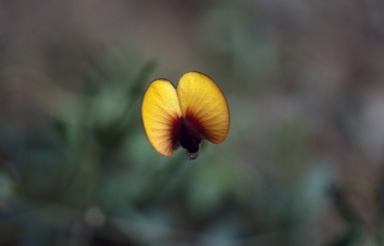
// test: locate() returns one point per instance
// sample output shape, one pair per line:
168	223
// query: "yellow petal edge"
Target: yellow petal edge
160	109
203	101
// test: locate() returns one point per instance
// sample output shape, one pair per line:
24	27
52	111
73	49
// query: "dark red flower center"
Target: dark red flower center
190	137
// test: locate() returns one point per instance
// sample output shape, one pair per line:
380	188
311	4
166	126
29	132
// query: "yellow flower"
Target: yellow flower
196	109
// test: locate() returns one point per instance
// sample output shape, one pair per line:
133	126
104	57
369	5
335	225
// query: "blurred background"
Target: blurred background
303	161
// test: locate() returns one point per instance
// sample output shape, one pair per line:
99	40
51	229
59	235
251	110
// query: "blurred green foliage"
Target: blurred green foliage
298	166
91	177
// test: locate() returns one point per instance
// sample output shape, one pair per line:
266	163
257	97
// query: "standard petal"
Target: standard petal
204	105
161	116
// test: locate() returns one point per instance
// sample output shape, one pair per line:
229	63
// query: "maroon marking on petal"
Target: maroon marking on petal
191	117
189	136
175	131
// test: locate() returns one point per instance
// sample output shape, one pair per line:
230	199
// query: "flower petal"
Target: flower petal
204	105
161	116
